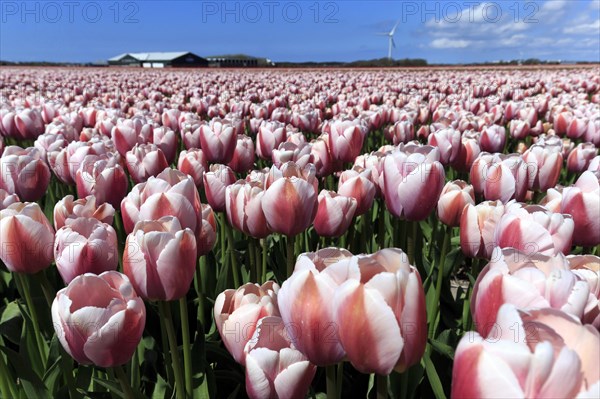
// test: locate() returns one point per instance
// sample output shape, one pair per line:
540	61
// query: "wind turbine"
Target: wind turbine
391	42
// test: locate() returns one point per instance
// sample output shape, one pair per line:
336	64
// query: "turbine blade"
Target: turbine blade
382	34
394	28
393	43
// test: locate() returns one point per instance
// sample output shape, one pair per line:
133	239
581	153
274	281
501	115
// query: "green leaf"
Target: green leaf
11	322
160	389
442	348
28	378
112	386
433	377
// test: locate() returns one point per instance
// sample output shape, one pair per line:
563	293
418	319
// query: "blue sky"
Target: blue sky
439	31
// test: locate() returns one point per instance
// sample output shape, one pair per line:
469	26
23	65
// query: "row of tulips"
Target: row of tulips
387	320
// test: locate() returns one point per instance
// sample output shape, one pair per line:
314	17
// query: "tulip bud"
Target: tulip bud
160	259
455	196
334	214
582	201
99	319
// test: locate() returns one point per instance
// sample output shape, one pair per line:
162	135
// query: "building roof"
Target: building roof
154	56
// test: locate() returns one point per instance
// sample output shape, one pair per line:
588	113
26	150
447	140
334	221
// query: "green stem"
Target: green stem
127	391
331	384
340	377
381	226
67	372
290	255
24	288
231	243
49	292
201	281
165	314
187	351
382	386
166	351
411	242
438	283
252	259
265	251
135	370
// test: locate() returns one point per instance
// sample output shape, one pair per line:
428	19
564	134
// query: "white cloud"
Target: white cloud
592	28
554	5
449	43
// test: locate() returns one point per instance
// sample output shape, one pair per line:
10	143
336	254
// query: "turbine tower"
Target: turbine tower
391	42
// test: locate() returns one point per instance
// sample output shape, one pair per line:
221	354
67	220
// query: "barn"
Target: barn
179	59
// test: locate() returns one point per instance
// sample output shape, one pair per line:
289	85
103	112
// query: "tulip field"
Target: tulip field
283	233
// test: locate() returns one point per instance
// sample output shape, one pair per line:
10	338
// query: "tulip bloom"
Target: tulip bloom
243	203
582	201
345	140
477	228
216	181
455	196
527	358
533	228
237	313
334	214
171	193
580	157
305	303
102	177
193	163
85	245
7	199
412	183
26	238
300	154
160	259
356	183
66	209
448	142
500	177
544	166
218	141
289	203
587	267
144	161
380	313
492	139
99	319
273	368
66	161
24	172
528	281
243	155
270	135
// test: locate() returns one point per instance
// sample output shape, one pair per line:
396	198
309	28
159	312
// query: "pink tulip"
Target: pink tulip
274	369
85	245
455	196
216	181
66	161
165	139
300	154
500	177
193	163
580	158
207	236
334	214
67	208
534	229
412	183
145	160
544	167
402	132
477	228
237	313
577	128
103	177
130	132
448	142
380	312
160	259
305	303
528	281
29	124
582	201
218	140
24	172
492	139
289	203
467	155
519	129
587	267
356	183
270	135
345	140
594	165
99	319
243	203
516	363
322	159
243	155
26	238
7	199
49	142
